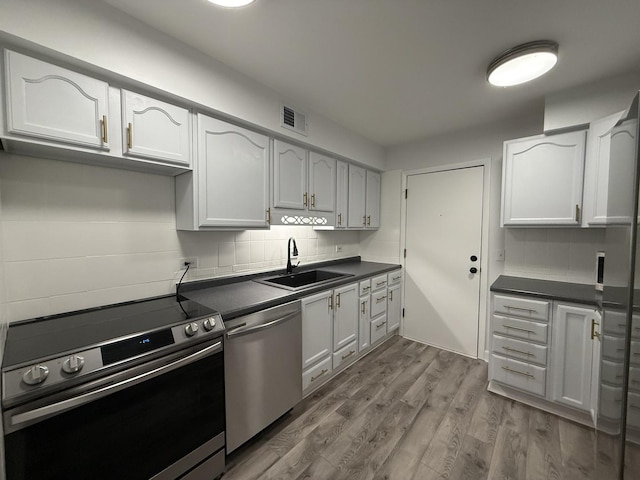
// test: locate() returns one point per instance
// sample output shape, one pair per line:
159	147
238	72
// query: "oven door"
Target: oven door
158	420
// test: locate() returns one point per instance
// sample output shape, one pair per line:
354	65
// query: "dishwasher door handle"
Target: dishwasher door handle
242	330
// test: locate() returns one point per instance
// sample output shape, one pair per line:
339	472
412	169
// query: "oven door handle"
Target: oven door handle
241	330
58	407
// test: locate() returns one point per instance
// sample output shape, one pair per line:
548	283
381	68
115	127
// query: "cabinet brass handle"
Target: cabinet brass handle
313	199
519	329
364	220
338	300
395	279
330	302
524	374
577	213
368	220
130	136
269	215
378	327
105	136
367	288
379	284
305	199
351	352
594	334
378	300
324	370
520	308
339	219
363	307
528	354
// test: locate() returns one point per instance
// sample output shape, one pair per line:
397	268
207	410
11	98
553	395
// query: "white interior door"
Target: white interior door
443	233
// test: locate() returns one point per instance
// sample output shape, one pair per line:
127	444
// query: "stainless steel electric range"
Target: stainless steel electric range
132	391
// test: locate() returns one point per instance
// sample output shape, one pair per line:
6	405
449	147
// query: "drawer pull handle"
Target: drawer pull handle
338	301
524	374
379	284
391	296
105	136
519	329
378	300
339	219
622	325
520	308
378	327
363	307
634	381
324	370
528	354
635	407
351	352
364	289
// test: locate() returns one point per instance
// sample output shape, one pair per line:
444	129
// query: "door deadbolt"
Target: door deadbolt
474	258
473	270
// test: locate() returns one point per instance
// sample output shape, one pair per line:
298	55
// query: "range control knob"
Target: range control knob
73	364
209	324
191	329
35	375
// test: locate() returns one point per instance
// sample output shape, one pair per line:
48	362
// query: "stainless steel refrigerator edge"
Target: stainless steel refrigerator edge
263	370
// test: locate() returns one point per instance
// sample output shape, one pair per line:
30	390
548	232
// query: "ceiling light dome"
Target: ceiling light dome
523	63
232	3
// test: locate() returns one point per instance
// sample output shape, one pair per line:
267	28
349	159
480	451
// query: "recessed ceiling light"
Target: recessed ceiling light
232	3
523	63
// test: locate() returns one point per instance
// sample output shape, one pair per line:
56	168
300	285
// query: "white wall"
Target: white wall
76	236
584	104
95	33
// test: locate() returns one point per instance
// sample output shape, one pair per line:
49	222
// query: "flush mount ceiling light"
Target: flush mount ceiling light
232	3
523	63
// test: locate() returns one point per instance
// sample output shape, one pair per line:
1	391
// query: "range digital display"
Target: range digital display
136	346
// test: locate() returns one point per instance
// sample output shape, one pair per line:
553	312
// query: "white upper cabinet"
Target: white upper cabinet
289	176
542	180
233	175
55	104
621	168
373	199
342	193
155	130
322	183
357	195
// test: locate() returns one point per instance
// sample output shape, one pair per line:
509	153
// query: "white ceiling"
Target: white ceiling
400	70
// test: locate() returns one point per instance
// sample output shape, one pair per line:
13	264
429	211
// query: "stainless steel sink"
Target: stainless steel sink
298	281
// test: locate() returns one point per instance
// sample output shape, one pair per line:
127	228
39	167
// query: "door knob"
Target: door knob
473	270
474	258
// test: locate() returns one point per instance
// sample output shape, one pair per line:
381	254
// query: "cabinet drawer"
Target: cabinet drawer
378	328
613	347
522	376
633	410
615	323
610	401
316	374
522	307
394	277
513	327
611	372
635	352
346	355
365	287
379	282
527	352
378	303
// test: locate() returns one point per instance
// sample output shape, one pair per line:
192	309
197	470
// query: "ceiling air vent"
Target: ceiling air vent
293	120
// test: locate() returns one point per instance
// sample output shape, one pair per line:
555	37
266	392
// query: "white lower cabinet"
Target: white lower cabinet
338	328
572	356
542	353
394	307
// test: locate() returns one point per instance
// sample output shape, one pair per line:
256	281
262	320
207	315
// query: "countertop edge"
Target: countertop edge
577	293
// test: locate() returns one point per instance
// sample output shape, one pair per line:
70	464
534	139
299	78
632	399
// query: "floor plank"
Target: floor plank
411	412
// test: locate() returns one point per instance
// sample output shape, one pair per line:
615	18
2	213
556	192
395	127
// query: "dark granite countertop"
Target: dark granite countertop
237	296
553	290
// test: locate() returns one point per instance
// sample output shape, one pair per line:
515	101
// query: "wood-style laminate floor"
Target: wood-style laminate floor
411	412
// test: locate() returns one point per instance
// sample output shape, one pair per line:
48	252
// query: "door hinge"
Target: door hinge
406	193
403	313
405	253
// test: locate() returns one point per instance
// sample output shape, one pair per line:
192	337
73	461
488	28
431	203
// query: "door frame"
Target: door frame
483	307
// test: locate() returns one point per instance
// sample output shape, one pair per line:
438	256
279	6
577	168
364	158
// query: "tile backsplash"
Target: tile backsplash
75	236
563	254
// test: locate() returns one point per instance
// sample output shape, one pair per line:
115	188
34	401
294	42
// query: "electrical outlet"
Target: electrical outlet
338	248
499	255
192	261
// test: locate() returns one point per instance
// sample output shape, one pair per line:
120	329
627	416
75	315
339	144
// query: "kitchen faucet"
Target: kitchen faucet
295	254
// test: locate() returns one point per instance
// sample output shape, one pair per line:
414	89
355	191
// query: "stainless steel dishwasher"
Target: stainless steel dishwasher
263	370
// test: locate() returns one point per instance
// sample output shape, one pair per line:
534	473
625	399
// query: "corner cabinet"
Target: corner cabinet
364	198
229	187
542	179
